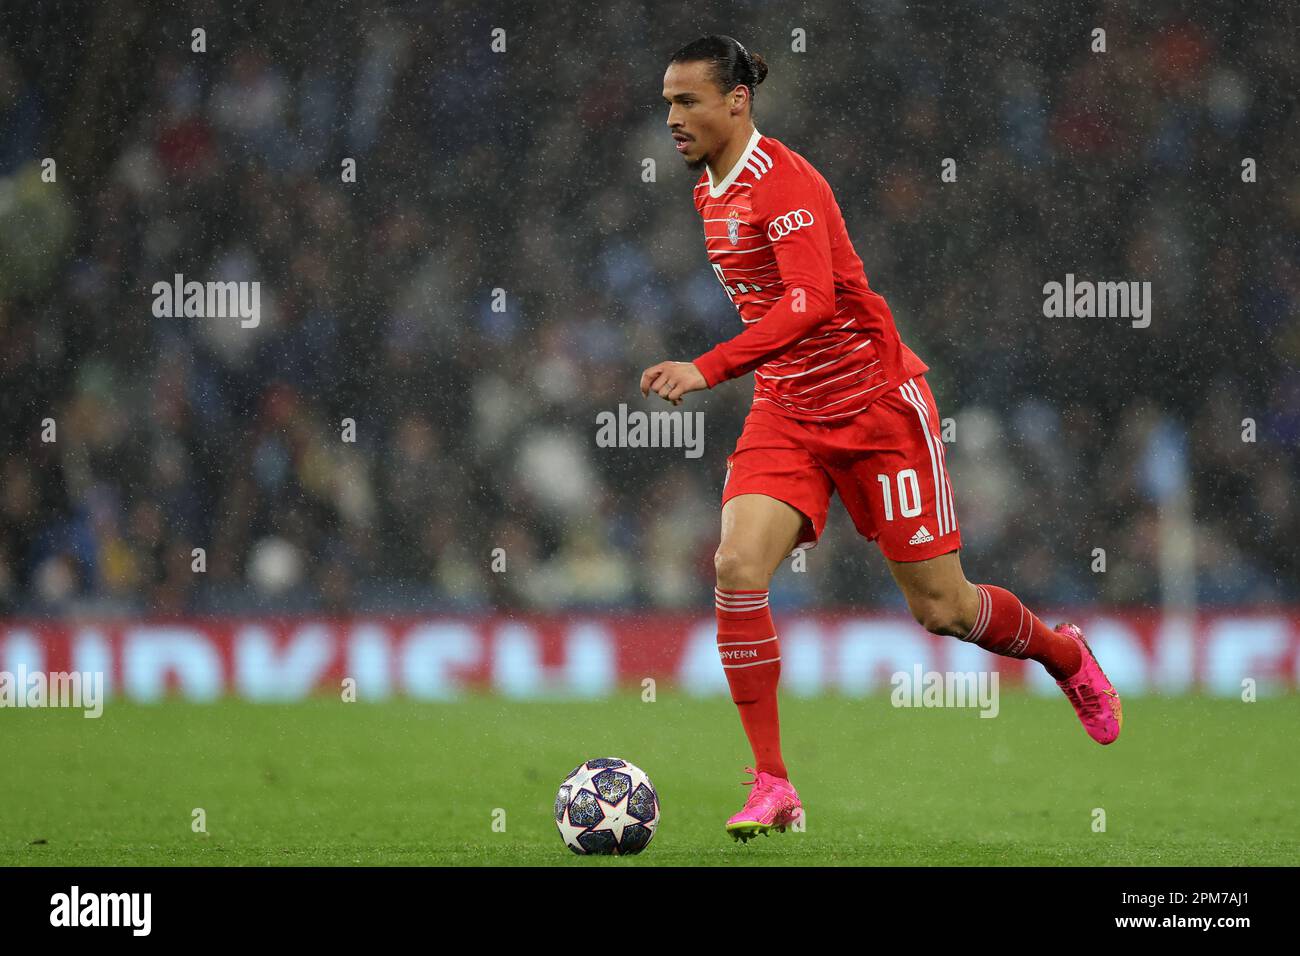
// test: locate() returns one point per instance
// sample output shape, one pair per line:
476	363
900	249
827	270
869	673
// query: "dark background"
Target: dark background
522	171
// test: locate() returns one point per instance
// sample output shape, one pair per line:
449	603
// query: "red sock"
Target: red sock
1005	626
751	659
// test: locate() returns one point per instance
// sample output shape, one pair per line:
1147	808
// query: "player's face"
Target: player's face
700	116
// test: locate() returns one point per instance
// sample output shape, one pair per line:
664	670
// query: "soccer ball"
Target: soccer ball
607	806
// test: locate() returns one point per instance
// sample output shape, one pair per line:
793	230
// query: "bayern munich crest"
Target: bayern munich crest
733	227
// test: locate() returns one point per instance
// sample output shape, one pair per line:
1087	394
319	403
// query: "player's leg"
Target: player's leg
774	499
938	594
758	532
991	617
944	602
899	494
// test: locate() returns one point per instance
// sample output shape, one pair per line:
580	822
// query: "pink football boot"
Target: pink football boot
772	805
1094	698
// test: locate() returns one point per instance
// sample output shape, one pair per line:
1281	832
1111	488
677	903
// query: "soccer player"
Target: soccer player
840	405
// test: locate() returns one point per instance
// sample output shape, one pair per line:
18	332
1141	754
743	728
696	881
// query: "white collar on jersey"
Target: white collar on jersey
717	190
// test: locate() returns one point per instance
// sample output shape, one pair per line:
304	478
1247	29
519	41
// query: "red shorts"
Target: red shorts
887	463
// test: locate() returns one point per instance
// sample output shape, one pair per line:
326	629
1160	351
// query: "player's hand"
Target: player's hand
671	380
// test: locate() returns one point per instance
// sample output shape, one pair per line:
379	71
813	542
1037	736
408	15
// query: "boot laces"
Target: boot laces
759	787
1086	697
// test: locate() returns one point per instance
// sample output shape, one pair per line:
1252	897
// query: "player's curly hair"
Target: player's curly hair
733	65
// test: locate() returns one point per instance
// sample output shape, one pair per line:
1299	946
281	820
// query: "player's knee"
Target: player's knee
939	616
738	569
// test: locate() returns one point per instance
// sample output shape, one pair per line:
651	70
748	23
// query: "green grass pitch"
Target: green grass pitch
1191	781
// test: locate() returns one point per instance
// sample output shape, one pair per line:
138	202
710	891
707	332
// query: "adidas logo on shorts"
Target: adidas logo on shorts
921	536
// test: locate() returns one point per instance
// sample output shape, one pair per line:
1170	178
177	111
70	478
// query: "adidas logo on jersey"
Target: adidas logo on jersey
922	536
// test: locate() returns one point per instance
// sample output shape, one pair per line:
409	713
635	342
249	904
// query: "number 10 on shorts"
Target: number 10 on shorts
909	494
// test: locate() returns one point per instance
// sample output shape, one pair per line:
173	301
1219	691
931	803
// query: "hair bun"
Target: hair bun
760	68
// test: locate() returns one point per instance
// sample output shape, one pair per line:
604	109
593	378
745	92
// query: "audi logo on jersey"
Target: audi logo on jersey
784	225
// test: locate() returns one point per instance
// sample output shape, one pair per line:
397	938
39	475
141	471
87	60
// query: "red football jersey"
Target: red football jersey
822	345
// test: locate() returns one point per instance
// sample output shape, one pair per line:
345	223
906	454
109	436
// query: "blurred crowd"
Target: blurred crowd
503	267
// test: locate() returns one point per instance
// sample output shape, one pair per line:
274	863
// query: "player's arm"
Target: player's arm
803	256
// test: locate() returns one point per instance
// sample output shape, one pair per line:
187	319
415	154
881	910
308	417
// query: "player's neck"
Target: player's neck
730	156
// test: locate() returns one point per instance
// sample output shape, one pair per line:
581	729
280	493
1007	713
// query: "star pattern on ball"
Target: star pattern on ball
571	831
617	819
